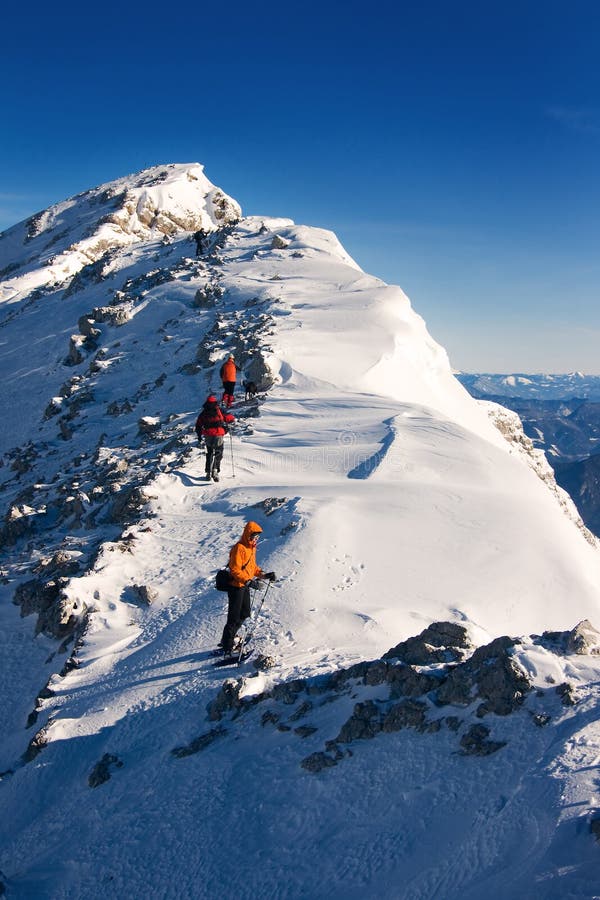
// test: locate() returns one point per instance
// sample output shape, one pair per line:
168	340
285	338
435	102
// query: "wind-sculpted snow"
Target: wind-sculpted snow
388	501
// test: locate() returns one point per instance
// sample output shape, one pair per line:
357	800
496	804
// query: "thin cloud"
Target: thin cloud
583	121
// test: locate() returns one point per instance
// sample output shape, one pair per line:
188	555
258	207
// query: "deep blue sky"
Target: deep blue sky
452	146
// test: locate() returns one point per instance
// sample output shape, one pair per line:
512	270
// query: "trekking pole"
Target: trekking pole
231	448
248	634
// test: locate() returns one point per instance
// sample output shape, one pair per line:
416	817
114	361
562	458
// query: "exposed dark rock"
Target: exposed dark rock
145	594
332	747
338	681
270	505
365	722
113	315
36	596
269	717
316	762
199	743
441	642
302	710
207	296
279	243
263	662
376	673
259	371
75	356
66	432
227	699
62	618
18	522
475	742
305	731
73	509
584	639
70	386
406	714
37	743
60	562
567	694
491	675
453	722
148	425
102	770
128	504
288	691
58	614
406	681
54	408
87	327
540	719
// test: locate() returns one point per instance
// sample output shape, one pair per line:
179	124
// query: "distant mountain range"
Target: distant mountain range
561	414
539	386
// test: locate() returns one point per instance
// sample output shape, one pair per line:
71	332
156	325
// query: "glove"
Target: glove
269	576
254	584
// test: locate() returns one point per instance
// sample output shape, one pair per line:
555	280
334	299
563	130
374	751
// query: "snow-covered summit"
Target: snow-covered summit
53	245
388	500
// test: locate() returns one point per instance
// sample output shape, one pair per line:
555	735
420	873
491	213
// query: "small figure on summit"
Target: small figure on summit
243	569
213	425
228	373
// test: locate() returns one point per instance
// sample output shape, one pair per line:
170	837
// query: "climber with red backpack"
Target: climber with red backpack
212	425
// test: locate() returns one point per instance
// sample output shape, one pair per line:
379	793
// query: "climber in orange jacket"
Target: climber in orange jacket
243	569
228	373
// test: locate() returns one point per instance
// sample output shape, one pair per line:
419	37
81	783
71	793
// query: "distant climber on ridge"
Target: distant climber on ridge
243	569
213	425
228	373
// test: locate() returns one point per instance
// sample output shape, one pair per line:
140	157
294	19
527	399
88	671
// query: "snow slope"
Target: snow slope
388	501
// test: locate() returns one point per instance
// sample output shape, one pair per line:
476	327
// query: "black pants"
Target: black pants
239	609
214	453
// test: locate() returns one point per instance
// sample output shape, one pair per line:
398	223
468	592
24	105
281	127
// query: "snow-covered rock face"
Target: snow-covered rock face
52	246
388	500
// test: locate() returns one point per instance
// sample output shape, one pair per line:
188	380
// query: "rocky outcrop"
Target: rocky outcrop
102	771
145	594
128	504
149	425
18	522
441	642
200	743
435	681
510	426
490	675
584	639
59	614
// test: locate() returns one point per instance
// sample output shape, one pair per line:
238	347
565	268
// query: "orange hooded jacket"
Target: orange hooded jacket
228	371
242	558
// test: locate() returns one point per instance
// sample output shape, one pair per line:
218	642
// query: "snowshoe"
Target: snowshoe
233	660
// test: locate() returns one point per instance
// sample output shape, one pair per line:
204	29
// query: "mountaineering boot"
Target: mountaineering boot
215	475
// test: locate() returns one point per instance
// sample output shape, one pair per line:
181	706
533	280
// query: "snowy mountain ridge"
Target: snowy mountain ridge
389	502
